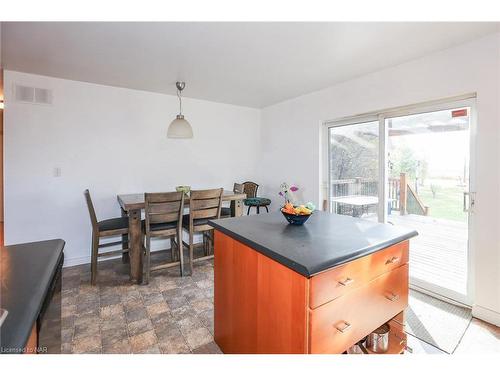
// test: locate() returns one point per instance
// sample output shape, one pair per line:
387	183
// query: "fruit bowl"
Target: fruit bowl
297	215
295	219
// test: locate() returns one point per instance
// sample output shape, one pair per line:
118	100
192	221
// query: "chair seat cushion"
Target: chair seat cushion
113	224
257	201
185	221
163	226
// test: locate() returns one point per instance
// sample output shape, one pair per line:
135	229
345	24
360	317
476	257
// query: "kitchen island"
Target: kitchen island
31	294
316	288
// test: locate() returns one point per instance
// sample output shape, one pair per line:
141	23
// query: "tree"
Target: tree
404	161
354	154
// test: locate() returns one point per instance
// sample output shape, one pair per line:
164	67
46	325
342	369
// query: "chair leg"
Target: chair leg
147	262
204	239
248	211
191	253
258	210
125	242
93	260
266	209
207	243
207	240
211	243
180	247
173	250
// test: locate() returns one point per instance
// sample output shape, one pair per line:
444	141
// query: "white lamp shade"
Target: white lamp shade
180	128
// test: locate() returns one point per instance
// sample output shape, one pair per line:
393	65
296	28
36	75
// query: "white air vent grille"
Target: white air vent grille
25	94
33	95
43	96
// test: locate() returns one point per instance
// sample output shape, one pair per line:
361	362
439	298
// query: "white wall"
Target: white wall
291	132
110	140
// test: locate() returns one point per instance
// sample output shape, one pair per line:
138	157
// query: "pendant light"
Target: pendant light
180	127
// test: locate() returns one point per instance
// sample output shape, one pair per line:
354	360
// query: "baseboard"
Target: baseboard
77	261
157	245
486	314
86	260
70	262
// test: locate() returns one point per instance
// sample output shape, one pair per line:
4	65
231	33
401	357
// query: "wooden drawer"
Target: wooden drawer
340	280
341	323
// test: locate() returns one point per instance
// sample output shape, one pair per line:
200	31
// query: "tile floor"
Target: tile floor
479	338
172	314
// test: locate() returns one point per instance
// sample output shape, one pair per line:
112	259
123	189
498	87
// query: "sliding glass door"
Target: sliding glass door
411	167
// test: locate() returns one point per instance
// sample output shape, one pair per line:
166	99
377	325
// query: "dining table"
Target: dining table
132	205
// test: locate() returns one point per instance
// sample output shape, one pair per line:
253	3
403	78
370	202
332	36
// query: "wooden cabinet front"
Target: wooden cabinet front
32	344
341	323
262	306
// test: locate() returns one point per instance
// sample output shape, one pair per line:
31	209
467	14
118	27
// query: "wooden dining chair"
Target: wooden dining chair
204	205
252	200
163	219
101	229
229	211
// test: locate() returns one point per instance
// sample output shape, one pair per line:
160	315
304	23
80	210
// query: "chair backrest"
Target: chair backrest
90	206
204	204
163	208
238	188
251	189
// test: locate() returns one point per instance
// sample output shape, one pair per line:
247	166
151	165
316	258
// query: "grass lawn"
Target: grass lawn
448	203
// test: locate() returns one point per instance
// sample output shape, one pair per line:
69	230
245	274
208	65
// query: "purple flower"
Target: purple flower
280	193
294	188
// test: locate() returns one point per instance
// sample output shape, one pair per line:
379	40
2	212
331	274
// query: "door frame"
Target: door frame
466	100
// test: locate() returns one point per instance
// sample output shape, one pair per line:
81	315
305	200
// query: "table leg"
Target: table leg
135	245
125	256
237	208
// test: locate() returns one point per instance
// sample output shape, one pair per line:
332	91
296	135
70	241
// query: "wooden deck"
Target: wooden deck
438	255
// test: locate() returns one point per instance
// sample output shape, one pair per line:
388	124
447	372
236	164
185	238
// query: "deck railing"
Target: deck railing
403	200
414	204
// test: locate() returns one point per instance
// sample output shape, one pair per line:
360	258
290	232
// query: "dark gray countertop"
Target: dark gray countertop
324	241
26	273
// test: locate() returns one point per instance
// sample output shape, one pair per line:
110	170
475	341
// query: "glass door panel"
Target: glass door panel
353	169
428	183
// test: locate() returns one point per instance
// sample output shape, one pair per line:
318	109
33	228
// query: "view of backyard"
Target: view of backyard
445	202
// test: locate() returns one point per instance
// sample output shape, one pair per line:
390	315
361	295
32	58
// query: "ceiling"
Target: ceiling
250	64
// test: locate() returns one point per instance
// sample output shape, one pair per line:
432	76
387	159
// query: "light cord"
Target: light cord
180	101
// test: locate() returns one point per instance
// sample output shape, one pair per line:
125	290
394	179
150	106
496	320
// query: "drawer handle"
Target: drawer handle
392	260
393	297
346	328
346	282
